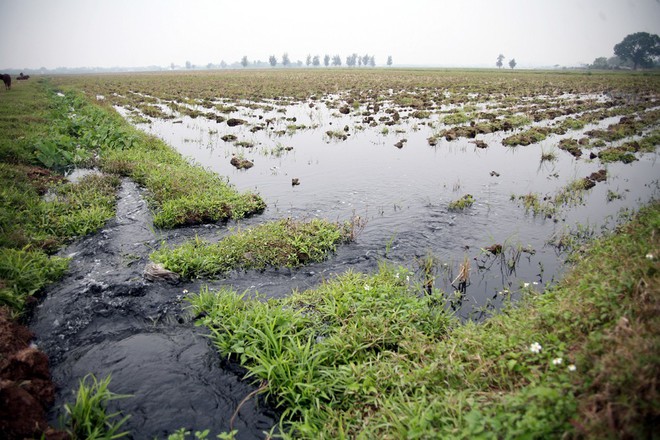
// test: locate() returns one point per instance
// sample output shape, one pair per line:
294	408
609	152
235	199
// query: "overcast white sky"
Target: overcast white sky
107	33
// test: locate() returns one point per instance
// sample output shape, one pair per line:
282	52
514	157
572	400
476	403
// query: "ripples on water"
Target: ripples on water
105	319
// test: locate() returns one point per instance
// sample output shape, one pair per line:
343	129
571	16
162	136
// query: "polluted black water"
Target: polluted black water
105	318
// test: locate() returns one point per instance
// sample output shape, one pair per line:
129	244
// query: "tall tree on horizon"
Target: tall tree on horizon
500	59
641	48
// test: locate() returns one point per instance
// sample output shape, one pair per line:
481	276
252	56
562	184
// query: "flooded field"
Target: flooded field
478	183
334	156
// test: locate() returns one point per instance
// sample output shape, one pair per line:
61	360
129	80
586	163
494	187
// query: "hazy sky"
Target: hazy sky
106	33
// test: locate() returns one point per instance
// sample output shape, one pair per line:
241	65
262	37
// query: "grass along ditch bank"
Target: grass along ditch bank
373	356
45	133
284	243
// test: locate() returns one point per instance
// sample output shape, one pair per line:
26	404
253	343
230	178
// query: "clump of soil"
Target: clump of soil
494	249
232	122
344	110
571	146
480	144
229	138
598	176
400	144
26	389
240	163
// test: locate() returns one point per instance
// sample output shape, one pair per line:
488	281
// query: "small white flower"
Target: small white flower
535	283
557	361
525	285
367	287
397	275
185	291
535	347
649	256
407	278
572	367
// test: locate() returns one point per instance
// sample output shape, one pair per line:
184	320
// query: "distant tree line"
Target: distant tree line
352	60
640	49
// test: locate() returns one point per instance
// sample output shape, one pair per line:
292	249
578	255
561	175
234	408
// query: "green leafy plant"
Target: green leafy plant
88	418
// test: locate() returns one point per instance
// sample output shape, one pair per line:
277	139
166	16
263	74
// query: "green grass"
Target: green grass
87	418
24	272
282	243
462	203
527	137
571	194
370	356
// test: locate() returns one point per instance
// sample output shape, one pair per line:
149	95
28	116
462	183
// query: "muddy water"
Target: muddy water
105	319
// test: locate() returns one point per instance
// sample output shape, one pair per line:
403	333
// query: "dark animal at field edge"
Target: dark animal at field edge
7	80
22	77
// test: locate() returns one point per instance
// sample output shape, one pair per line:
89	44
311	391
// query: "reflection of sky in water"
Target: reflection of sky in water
403	193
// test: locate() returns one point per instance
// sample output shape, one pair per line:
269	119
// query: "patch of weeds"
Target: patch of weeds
459	117
420	114
613	195
283	243
462	203
571	146
548	156
617	154
569	124
337	134
329	351
181	194
538	205
241	163
88	418
364	356
528	137
25	272
245	144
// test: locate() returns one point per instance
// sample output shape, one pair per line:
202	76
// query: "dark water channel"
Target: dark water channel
105	318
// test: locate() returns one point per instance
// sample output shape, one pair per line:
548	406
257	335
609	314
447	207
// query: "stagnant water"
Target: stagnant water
104	318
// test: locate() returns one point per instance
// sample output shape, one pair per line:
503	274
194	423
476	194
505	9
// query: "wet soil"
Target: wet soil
105	318
26	388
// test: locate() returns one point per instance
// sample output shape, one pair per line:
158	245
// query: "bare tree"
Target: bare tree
389	60
272	60
285	59
244	61
308	61
326	60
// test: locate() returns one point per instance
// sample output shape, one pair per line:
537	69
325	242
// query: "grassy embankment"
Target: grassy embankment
371	356
44	134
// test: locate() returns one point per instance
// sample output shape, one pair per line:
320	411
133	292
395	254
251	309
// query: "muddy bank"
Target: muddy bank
26	389
105	318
